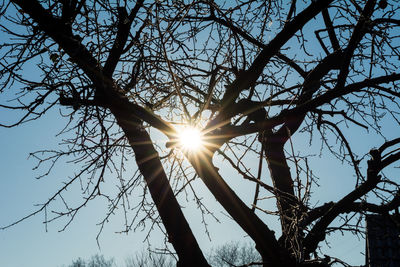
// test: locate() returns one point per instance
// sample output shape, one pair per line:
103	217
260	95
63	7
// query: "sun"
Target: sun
190	139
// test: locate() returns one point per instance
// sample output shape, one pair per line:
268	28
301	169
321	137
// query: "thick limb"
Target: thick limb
264	238
178	230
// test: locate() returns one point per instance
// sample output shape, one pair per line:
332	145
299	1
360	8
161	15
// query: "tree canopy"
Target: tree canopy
253	77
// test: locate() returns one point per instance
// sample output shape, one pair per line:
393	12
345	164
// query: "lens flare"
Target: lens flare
190	138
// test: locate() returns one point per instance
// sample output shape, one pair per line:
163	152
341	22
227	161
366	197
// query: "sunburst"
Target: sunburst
190	139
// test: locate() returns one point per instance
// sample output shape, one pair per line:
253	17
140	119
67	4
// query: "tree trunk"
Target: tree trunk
266	244
283	183
147	158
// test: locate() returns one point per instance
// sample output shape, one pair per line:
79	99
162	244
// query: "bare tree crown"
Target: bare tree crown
250	75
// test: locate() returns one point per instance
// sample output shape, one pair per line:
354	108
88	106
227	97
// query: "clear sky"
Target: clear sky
31	243
28	243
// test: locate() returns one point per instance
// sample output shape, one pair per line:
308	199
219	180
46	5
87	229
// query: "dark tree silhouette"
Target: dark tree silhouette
251	75
94	261
227	255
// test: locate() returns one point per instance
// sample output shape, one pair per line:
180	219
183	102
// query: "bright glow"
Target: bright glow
190	138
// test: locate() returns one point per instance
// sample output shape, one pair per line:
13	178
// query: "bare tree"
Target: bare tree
251	75
94	261
235	254
229	254
150	259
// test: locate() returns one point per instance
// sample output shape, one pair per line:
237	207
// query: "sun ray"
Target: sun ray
190	139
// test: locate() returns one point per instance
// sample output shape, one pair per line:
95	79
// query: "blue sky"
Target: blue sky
29	244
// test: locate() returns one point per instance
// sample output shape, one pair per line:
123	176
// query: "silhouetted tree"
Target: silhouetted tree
94	261
230	254
234	254
150	259
252	75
